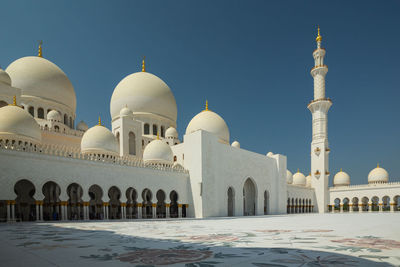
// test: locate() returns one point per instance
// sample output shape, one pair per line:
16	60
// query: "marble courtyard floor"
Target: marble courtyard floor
367	239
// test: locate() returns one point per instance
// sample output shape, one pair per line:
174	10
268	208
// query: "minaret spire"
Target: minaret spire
319	108
99	121
40	49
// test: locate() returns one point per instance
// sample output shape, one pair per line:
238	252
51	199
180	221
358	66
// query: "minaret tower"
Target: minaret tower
319	146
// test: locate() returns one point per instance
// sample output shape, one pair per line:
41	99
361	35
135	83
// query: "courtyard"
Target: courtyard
367	239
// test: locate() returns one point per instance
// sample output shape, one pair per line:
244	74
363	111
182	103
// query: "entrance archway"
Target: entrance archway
51	201
249	198
74	208
115	205
147	204
231	202
25	208
131	207
266	202
160	210
173	209
96	203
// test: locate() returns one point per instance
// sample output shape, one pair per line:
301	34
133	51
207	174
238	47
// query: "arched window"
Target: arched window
146	128
65	119
70	123
154	129
3	103
40	113
162	131
132	144
31	111
118	137
174	158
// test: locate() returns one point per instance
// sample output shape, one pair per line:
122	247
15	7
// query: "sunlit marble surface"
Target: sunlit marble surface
367	239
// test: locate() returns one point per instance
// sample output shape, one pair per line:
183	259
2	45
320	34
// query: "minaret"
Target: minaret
319	146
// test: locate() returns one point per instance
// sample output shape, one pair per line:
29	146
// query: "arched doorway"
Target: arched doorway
147	204
355	204
51	201
364	203
74	208
160	210
173	209
25	208
386	203
131	207
346	204
266	202
375	203
249	198
115	205
132	144
231	202
96	203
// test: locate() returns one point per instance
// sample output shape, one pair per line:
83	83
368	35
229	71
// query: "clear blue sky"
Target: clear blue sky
250	59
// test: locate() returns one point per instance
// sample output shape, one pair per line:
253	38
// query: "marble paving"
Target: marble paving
367	239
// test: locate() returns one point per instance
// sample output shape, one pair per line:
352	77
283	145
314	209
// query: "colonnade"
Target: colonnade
299	206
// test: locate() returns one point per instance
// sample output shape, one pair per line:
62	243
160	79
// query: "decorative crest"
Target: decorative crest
143	64
40	49
319	37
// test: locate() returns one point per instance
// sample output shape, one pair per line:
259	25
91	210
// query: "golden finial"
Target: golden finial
341	170
319	37
158	135
206	109
14	100
298	170
99	121
40	49
143	64
377	165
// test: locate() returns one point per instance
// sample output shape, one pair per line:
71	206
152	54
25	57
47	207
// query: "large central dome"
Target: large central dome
144	93
39	77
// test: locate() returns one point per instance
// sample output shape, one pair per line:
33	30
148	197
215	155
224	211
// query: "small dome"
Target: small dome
211	122
4	77
125	111
308	180
54	115
341	178
99	140
289	177
299	179
378	175
158	151
82	126
270	154
38	77
235	144
144	93
17	123
171	132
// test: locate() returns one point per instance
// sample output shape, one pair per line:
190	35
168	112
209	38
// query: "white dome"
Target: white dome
378	175
17	123
125	111
289	177
171	132
4	77
54	115
82	126
39	77
270	154
99	140
211	122
308	180
341	178
299	179
158	151
144	92
235	144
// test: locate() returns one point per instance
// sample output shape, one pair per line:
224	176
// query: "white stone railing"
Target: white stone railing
67	132
74	153
365	186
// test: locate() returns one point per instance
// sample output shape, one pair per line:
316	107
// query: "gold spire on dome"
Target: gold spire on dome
319	37
40	49
143	64
14	101
206	109
341	170
99	121
298	170
158	135
377	165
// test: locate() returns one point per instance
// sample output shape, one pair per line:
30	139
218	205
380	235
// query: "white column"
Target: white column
154	206
179	210
333	208
341	208
41	210
392	207
139	210
369	206
8	211
350	207
104	212
123	211
360	208
37	211
13	211
167	206
380	207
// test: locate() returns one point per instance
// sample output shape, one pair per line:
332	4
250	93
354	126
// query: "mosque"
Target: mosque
53	168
